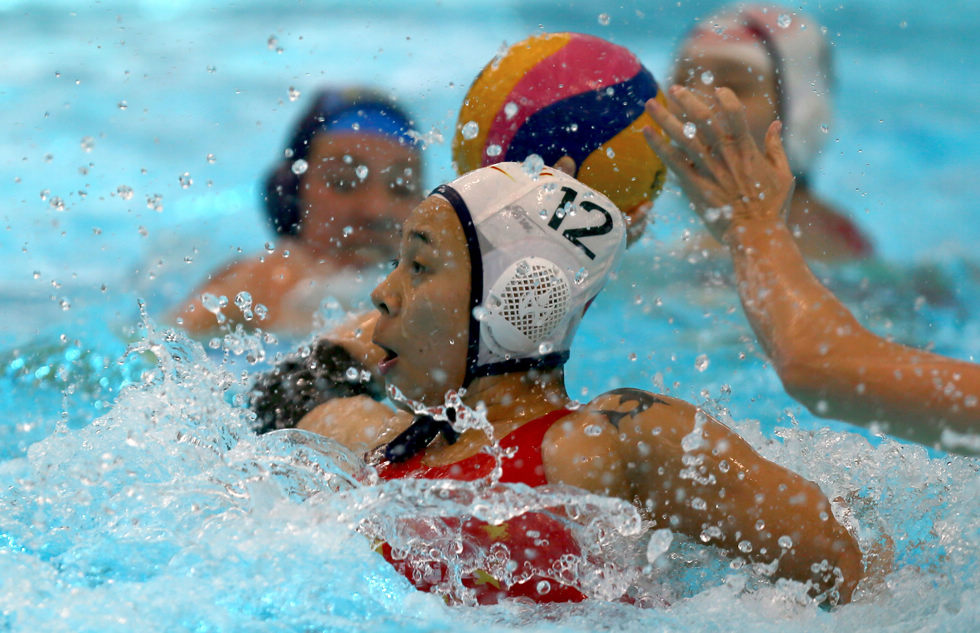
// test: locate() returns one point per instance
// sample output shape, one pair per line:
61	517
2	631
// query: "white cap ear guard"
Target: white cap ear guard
541	246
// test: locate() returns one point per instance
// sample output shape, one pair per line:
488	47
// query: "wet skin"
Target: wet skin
626	443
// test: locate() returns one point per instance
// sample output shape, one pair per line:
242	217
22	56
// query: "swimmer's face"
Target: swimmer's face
355	194
756	88
424	305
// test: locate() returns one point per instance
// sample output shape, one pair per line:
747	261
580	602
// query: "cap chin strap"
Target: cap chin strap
419	434
473	369
425	428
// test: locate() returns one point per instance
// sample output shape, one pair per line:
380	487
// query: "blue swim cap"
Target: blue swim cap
372	118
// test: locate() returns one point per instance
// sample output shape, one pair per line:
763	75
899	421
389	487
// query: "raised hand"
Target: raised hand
724	174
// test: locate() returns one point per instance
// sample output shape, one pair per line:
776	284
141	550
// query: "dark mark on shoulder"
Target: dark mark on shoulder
643	399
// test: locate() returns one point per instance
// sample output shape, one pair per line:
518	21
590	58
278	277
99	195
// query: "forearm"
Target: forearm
794	316
831	363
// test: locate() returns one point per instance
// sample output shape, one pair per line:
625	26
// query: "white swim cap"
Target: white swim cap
541	246
787	43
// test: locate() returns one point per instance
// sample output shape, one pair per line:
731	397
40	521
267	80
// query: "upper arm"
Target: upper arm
694	475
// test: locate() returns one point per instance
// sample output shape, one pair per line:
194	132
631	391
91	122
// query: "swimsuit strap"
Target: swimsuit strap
524	467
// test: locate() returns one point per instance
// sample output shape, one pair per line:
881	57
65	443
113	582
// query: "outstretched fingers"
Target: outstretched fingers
685	153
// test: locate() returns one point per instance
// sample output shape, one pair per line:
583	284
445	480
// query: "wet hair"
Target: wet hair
282	396
331	110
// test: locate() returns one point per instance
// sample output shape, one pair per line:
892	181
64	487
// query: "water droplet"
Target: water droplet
299	166
185	180
57	204
533	165
610	153
88	143
699	504
293	93
470	130
593	430
125	192
494	150
37	274
543	587
745	547
352	374
272	42
212	69
480	313
581	275
546	347
707	78
690	130
348	230
213	303
573	127
824	128
45	193
659	543
361	171
760	525
270	247
210	158
784	20
785	542
510	110
122	105
604	19
261	311
243	300
701	362
692	441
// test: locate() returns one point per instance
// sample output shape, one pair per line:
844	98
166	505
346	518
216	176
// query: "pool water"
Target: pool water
134	497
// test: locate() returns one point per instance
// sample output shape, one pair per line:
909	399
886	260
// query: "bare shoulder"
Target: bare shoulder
620	407
357	422
654	426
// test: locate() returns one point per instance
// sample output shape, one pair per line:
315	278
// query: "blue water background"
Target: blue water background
163	514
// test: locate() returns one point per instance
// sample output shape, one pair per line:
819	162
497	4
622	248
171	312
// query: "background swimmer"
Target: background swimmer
348	177
487	296
823	355
778	63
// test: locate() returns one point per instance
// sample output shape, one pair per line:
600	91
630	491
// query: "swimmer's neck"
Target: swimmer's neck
518	396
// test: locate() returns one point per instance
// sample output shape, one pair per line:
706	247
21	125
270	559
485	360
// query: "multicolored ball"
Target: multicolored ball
565	94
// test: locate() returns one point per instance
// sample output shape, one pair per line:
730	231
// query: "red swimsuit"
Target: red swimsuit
535	541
